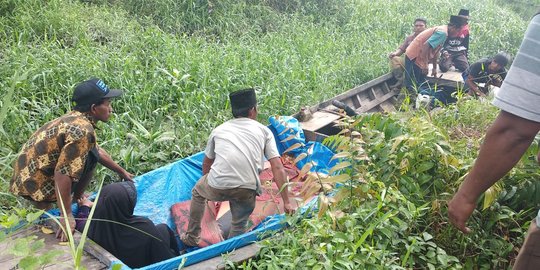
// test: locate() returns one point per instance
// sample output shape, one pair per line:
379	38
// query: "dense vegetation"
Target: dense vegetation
178	60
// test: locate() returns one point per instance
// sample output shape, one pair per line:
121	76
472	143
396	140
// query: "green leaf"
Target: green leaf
341	155
427	236
29	263
21	247
292	147
290	137
336	178
49	256
491	195
31	217
339	166
299	157
36	245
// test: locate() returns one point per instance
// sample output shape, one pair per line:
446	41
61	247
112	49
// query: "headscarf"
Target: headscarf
136	241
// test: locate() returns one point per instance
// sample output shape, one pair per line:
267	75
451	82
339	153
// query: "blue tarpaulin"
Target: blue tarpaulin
159	189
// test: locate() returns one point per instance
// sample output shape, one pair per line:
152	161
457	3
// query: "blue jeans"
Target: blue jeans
414	77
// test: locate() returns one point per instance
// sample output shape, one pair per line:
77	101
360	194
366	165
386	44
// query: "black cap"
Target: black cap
502	58
463	12
458	21
92	91
243	99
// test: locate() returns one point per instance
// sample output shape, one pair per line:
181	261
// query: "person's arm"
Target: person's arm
473	86
434	65
505	142
206	165
63	199
401	49
281	180
397	52
106	160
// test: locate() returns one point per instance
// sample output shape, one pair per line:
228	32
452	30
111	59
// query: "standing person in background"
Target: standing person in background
487	71
456	48
507	140
234	157
59	159
397	63
425	49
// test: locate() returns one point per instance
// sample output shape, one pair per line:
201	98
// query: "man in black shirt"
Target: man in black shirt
487	71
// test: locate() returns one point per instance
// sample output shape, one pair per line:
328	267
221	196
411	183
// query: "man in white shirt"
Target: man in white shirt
234	156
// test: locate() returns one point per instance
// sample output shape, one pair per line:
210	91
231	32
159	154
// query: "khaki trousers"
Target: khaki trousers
241	201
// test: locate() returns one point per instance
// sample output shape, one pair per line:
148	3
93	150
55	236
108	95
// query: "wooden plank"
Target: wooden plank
451	78
218	262
313	136
374	103
63	261
319	120
95	250
354	91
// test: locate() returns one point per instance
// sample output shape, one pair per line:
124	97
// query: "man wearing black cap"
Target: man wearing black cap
456	47
234	156
425	49
487	71
60	157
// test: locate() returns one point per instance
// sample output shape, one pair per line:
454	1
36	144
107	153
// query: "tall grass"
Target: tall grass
178	60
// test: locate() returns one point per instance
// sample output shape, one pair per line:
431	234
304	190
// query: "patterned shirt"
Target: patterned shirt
62	145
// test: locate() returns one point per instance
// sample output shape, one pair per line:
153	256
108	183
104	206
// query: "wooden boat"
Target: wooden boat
378	95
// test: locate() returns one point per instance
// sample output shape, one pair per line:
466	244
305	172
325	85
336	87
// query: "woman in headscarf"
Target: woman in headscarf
136	241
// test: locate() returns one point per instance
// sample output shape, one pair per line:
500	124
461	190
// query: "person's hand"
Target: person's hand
85	201
125	175
289	208
459	211
61	233
392	54
445	55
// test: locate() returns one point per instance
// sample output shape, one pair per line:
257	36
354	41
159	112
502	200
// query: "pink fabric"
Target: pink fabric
210	231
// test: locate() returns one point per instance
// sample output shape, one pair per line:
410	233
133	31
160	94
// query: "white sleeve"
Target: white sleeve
270	147
210	147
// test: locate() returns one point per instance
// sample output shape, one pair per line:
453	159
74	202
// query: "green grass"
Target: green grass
178	60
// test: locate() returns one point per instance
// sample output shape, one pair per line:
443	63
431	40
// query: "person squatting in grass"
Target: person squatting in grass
456	47
425	49
487	71
234	157
397	63
59	159
507	140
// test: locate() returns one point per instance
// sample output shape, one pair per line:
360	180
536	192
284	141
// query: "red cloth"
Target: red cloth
268	203
210	231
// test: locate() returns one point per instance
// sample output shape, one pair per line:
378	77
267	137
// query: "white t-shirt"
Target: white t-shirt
238	148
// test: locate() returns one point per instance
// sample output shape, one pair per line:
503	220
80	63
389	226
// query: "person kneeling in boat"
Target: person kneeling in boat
397	63
234	156
487	71
423	50
135	240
